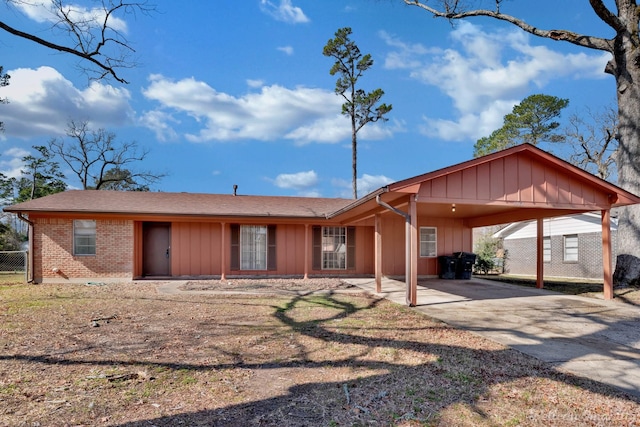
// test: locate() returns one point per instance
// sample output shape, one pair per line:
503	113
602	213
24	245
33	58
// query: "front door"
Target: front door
156	249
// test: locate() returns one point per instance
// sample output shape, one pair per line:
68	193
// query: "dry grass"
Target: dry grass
334	359
9	277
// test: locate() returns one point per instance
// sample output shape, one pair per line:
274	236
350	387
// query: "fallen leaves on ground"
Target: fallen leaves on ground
332	359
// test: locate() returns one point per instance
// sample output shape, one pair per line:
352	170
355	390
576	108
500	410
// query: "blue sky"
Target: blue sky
238	92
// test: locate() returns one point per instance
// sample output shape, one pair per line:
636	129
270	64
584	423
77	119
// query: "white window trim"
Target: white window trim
435	242
565	247
252	264
339	254
546	249
77	233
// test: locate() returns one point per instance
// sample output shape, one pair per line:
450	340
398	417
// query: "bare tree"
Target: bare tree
97	159
594	141
121	180
624	66
93	35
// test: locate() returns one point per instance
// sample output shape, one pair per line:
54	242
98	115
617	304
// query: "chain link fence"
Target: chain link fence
13	263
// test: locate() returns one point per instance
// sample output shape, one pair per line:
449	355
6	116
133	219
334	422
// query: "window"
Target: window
253	247
428	242
334	248
571	248
546	249
84	237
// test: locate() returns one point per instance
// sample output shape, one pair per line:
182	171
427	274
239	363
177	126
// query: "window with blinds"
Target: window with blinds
253	247
84	237
428	240
571	248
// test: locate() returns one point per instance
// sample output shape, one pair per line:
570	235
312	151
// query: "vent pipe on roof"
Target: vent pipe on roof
235	189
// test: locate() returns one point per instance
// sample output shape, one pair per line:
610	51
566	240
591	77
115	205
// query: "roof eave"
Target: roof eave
359	202
163	214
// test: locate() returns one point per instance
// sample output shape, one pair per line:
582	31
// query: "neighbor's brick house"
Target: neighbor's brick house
572	246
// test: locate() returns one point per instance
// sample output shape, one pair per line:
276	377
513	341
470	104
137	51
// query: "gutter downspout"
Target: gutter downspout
407	238
30	238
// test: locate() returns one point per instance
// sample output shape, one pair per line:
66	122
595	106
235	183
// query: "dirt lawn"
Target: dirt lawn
126	355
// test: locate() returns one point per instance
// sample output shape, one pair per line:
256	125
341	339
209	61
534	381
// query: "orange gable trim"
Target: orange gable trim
522	174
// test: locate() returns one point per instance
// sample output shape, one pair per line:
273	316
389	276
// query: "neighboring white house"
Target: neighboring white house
572	246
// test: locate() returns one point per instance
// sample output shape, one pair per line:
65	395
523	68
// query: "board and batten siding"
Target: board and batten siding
515	179
196	250
451	234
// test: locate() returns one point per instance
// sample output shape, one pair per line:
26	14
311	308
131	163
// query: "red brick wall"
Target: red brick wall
54	237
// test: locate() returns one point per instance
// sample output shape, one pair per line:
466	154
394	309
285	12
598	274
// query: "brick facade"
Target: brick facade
53	251
521	258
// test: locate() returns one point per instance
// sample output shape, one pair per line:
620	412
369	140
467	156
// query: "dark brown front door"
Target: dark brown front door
156	249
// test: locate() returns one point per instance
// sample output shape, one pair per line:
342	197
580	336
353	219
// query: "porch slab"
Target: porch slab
592	338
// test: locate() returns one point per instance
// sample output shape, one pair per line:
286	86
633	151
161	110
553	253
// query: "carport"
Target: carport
516	184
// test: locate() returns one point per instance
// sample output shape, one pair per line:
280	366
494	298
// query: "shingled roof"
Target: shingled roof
181	204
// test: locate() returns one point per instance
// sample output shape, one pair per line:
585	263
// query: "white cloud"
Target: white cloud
381	130
45	11
42	101
286	49
481	123
405	56
284	11
366	184
486	74
159	122
302	115
254	83
329	129
337	128
297	181
11	162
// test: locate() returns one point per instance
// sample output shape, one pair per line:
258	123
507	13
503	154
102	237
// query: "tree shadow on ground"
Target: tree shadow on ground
375	389
462	378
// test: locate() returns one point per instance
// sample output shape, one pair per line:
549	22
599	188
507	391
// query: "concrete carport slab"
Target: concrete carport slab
588	337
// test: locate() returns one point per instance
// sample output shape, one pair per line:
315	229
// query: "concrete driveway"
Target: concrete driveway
593	338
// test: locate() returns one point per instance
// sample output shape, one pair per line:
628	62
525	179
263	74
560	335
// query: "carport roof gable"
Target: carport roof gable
571	190
616	196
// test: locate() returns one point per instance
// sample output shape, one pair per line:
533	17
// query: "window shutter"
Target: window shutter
351	248
271	248
317	248
235	246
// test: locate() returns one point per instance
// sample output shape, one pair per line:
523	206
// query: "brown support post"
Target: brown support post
413	212
223	251
378	252
407	260
540	254
306	251
606	254
407	239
